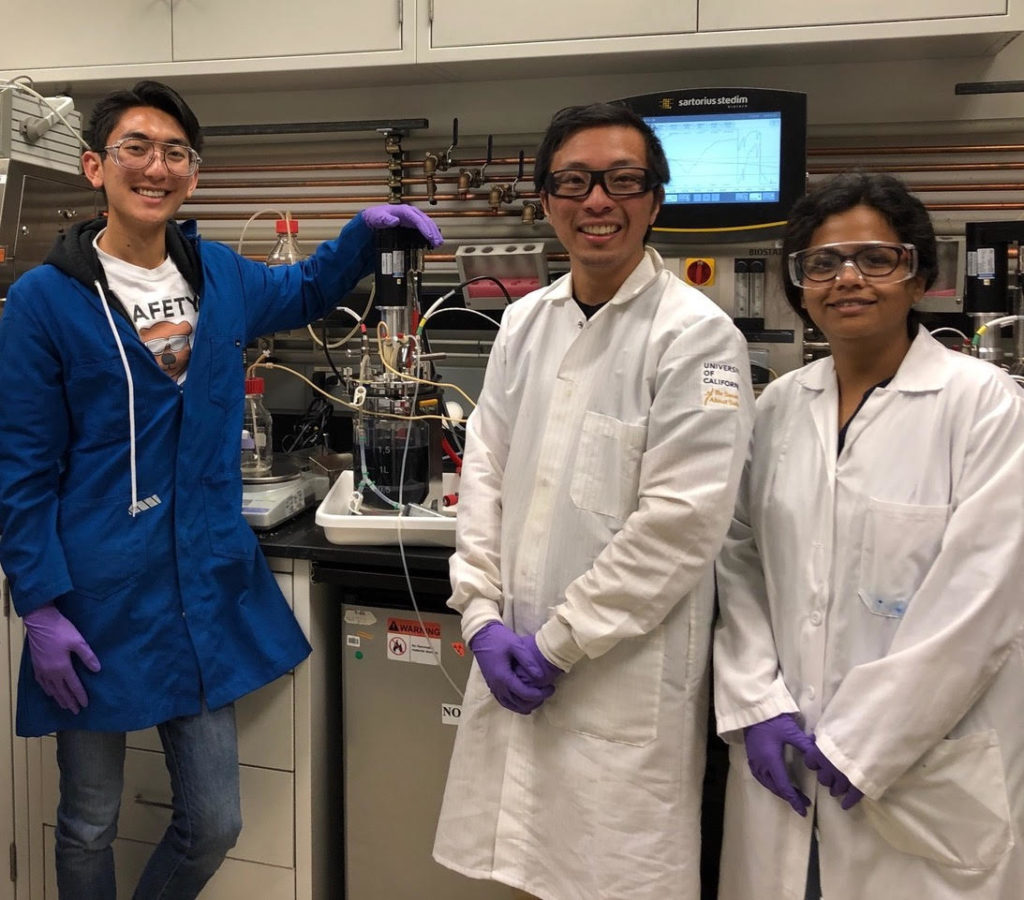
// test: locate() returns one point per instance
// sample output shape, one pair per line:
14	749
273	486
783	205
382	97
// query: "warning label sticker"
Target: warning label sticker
408	642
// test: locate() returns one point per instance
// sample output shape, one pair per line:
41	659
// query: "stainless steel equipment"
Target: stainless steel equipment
37	204
399	721
994	289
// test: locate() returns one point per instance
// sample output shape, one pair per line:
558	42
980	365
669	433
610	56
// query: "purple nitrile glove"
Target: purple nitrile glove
496	647
765	743
829	776
51	641
547	670
394	215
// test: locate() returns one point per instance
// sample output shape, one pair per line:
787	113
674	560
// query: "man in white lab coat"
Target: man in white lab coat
600	471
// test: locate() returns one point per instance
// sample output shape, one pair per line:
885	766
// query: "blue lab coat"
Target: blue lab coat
177	602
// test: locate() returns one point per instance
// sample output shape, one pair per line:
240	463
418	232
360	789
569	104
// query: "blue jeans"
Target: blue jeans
201	753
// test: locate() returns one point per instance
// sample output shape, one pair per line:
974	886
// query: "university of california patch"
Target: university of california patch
720	385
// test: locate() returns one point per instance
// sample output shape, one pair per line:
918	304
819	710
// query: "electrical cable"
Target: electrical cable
995	323
312	427
360	320
948	329
405	561
458	309
15	84
287	216
353	406
413	378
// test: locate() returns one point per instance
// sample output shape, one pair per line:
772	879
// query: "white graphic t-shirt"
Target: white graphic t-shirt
162	307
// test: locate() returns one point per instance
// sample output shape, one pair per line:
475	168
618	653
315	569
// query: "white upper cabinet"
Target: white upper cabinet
53	34
223	43
124	39
735	15
483	24
236	29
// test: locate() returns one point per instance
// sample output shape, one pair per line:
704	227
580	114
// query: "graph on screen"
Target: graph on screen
722	158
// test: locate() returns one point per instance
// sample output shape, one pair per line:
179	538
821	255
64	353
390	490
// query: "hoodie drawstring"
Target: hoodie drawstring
133	510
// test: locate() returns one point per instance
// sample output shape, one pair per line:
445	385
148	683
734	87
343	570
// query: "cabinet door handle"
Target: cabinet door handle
142	801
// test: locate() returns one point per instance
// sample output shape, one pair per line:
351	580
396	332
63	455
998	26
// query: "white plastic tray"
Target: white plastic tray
343	527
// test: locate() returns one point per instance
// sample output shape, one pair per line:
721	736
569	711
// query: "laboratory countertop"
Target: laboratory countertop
302	538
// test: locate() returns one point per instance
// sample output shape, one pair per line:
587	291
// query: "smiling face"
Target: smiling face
603	235
140	201
852	308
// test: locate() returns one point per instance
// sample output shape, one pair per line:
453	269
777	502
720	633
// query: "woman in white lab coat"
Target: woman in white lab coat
872	590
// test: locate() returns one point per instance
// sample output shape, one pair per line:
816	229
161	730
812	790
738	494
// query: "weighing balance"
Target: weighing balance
281	494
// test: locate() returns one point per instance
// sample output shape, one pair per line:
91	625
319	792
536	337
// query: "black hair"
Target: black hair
566	122
884	193
108	111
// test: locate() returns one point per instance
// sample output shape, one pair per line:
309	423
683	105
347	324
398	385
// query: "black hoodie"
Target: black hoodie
74	254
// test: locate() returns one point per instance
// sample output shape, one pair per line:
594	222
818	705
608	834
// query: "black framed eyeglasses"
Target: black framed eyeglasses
621	181
138	153
877	261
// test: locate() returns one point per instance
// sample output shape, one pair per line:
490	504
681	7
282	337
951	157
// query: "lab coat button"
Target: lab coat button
816	617
810	693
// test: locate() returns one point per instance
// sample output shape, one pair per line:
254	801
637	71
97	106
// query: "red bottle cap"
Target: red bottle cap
283	226
254	385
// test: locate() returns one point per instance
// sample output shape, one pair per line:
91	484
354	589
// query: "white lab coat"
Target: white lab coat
880	595
600	472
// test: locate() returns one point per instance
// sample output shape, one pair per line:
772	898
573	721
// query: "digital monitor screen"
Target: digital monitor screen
737	158
722	158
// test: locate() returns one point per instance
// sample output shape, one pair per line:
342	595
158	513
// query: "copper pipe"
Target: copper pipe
936	167
292	201
292	167
434	214
886	151
510	213
337	182
327	166
1007	186
450	257
812	152
974	206
494	161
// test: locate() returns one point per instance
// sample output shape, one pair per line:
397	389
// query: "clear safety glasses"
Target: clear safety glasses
876	261
171	344
136	153
622	181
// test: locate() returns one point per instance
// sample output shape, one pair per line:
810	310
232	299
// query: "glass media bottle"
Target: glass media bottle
257	432
286	251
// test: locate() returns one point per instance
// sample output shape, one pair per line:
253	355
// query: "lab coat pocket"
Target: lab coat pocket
901	541
606	474
104	546
97	419
951	807
230	536
615	697
226	389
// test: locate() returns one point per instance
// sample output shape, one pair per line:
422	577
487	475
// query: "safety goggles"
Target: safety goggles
137	153
877	261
